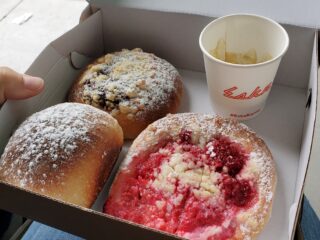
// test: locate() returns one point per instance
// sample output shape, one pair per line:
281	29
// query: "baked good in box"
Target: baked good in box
197	176
66	152
135	87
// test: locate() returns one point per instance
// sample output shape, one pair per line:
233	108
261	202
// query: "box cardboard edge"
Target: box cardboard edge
317	97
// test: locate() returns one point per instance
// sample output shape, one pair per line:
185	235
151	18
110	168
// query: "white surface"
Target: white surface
23	18
21	44
7	6
313	177
308	130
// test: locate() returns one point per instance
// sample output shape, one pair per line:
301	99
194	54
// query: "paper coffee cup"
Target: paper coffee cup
240	90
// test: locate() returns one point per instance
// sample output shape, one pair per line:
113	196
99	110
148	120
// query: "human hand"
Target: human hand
14	85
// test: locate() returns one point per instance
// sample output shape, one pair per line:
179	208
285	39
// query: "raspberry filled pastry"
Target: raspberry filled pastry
135	87
197	176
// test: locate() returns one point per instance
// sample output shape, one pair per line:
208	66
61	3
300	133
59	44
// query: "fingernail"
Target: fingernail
32	83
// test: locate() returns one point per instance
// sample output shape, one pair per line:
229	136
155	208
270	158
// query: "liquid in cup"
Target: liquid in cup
238	90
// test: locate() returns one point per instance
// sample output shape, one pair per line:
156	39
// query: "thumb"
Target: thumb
14	85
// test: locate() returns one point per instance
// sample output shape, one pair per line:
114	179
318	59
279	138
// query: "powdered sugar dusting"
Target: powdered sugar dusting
45	141
258	158
262	168
259	167
130	82
210	151
203	127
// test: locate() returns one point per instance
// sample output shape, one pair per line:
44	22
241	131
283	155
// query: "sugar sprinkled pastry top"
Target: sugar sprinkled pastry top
135	87
56	143
197	176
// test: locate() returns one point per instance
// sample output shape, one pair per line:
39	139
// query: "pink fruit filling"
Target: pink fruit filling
185	189
228	156
238	192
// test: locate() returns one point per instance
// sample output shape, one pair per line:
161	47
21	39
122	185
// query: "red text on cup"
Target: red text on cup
257	92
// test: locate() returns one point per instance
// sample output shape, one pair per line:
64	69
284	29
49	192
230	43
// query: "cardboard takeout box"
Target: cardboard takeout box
286	124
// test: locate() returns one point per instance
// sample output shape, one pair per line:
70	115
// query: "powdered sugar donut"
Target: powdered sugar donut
197	176
66	152
135	87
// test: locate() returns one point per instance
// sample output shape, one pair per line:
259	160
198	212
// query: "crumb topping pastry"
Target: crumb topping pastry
197	176
129	82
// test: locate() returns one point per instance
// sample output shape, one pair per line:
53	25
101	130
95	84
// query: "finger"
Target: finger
14	85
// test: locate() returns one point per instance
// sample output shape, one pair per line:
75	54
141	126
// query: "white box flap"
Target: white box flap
301	13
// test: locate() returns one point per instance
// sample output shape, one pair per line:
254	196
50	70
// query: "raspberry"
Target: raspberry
185	136
238	192
226	155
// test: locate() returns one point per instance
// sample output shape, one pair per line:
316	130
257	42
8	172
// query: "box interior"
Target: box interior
285	124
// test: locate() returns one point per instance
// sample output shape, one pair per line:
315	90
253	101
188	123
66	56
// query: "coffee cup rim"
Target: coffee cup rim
208	55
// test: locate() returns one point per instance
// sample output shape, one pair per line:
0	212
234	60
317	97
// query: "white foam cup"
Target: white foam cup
240	90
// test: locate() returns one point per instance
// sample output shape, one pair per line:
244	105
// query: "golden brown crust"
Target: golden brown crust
132	127
139	89
260	166
66	152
